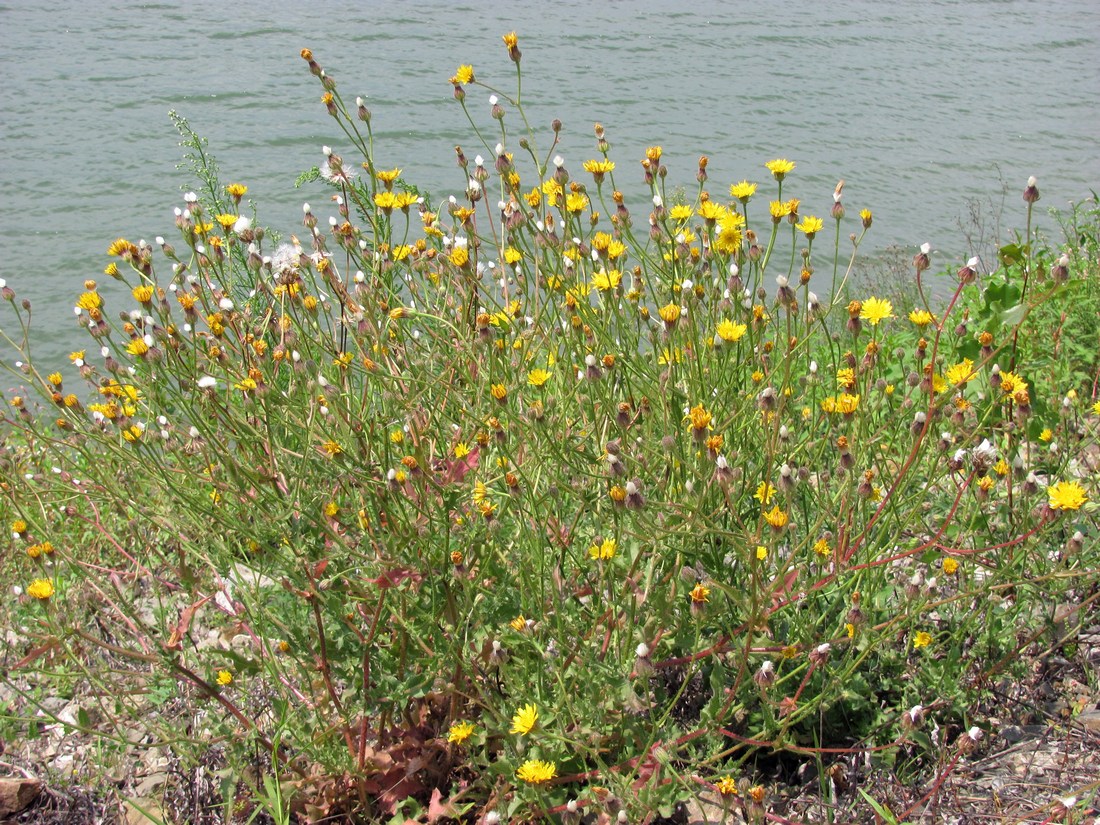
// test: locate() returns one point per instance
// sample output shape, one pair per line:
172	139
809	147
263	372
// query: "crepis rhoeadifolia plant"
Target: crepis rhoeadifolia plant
531	500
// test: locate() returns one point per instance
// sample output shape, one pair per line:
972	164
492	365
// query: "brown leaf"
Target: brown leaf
438	809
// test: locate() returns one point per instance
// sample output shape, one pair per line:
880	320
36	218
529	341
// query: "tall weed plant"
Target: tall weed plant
534	502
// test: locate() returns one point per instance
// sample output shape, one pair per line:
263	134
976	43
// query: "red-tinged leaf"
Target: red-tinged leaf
437	809
779	590
37	652
458	469
394	577
319	568
175	639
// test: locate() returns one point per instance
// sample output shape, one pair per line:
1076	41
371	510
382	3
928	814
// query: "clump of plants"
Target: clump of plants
534	502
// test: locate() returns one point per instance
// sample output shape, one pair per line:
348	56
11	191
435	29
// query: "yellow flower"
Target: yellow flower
605	281
498	391
670	313
224	678
922	639
921	318
680	212
726	786
776	518
729	332
1046	435
40	589
846	378
461	450
89	301
537	771
143	293
761	552
386	201
764	493
603	550
576	202
599	168
961	373
699	593
875	310
525	719
779	167
1011	383
1066	495
459	732
821	547
331	509
464	75
810	225
847	404
512	255
518	624
866	216
699	417
950	566
331	448
1096	408
779	209
743	190
653	153
538	377
459	256
226	220
236	190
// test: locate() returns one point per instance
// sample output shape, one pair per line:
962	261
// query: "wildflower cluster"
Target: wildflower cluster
665	431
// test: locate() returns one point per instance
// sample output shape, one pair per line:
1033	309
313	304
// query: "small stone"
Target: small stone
17	794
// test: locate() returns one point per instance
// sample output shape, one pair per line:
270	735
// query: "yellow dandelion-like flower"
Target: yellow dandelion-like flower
960	373
519	623
464	75
525	719
459	256
538	377
821	548
761	552
1011	383
764	493
599	168
726	786
950	566
776	518
236	190
227	220
1066	495
922	638
604	550
921	318
40	589
537	771
699	417
576	202
743	190
680	212
605	280
699	593
729	332
224	678
331	509
460	732
670	313
779	167
810	225
1047	434
779	209
875	310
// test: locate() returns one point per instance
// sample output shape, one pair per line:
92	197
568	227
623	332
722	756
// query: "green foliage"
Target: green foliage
362	499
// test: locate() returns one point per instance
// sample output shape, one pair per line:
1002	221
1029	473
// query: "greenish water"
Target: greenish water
920	107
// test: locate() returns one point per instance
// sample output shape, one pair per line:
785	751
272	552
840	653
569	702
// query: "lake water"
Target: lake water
920	107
